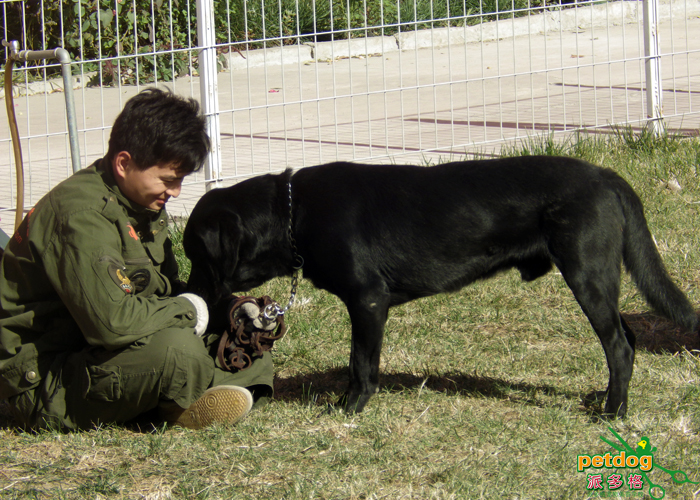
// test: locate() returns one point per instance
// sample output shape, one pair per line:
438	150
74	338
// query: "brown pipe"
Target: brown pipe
12	118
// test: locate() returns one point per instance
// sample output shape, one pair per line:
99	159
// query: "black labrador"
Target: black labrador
379	236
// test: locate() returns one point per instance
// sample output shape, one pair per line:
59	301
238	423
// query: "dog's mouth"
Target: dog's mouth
242	285
197	290
214	286
203	286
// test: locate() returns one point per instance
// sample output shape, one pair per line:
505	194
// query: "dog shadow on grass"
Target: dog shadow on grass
324	388
654	334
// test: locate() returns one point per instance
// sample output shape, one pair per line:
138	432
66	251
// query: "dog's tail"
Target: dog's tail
644	263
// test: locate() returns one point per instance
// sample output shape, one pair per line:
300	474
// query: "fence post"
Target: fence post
208	87
652	63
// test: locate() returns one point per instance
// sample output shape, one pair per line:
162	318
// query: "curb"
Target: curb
595	16
46	86
273	56
354	47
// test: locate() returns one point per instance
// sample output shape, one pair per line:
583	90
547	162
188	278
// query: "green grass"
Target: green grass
483	392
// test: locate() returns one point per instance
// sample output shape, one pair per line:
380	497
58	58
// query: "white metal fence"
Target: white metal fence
301	82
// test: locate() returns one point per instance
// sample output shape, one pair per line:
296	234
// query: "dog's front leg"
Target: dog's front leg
368	314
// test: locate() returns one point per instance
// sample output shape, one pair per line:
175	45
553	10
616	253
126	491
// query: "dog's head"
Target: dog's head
211	242
235	240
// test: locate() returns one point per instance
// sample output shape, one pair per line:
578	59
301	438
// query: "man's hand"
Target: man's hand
202	312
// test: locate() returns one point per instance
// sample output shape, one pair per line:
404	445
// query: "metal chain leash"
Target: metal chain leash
272	311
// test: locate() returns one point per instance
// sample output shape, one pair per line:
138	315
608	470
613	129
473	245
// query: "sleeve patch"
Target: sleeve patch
118	275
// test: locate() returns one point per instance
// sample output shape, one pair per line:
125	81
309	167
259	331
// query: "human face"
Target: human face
150	188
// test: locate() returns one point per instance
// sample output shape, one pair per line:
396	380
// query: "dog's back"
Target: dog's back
436	229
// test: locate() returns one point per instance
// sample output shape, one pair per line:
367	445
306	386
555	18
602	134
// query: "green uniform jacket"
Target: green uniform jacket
87	267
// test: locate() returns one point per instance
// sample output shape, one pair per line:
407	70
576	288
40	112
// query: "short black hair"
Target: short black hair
158	127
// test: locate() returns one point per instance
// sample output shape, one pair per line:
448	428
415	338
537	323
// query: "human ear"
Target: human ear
121	162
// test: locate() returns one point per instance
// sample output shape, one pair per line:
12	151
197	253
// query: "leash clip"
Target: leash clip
273	310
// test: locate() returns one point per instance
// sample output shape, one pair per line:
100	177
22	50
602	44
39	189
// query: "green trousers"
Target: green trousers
169	369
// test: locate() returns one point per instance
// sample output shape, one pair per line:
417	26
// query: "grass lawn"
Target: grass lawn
484	392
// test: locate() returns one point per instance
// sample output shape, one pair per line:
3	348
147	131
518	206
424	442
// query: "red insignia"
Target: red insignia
132	233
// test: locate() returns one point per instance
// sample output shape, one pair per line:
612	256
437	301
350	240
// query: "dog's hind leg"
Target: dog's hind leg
596	287
598	300
368	313
585	242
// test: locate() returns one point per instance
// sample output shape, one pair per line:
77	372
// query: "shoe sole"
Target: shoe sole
222	404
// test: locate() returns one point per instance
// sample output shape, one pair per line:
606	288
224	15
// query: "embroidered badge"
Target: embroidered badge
132	232
121	279
18	237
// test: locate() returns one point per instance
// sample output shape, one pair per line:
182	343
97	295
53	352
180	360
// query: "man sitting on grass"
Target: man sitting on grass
94	327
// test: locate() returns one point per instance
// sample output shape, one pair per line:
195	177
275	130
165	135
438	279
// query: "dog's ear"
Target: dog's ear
230	234
212	246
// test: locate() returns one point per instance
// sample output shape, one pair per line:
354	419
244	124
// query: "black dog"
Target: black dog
379	236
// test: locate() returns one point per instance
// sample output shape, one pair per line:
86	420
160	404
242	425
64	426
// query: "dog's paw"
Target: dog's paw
595	398
593	404
599	409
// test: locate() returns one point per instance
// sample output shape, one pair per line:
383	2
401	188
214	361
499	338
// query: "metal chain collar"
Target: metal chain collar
272	311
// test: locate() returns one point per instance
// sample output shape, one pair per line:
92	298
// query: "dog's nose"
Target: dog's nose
196	288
